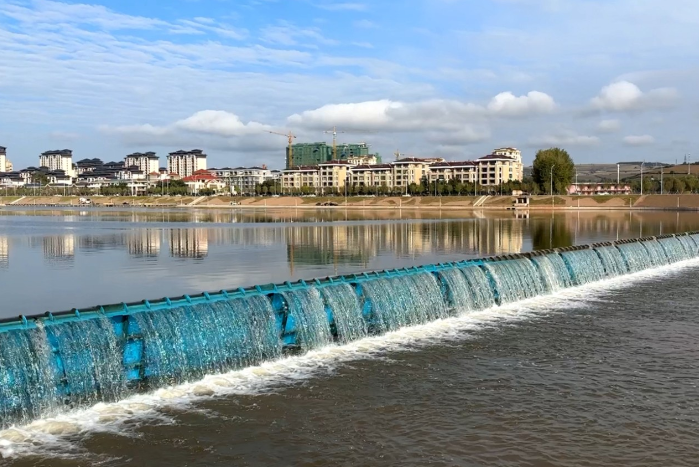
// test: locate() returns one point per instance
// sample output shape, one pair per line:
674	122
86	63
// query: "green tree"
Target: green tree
563	170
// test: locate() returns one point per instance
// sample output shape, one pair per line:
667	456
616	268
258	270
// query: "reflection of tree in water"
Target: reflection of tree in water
551	233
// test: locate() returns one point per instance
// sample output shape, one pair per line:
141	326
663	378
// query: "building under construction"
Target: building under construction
318	153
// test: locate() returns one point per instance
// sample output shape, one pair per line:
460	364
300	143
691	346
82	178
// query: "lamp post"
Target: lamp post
552	200
642	177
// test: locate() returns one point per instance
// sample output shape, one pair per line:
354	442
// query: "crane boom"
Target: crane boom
291	137
334	133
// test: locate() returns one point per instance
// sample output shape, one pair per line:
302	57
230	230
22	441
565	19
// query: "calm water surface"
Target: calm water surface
61	259
594	376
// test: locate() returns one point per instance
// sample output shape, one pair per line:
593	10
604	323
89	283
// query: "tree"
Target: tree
563	170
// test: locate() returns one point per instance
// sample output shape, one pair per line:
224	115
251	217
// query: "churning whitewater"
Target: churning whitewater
235	346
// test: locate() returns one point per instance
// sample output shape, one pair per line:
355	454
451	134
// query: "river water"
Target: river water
604	374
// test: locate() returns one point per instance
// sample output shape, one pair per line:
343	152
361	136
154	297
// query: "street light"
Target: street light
642	177
552	200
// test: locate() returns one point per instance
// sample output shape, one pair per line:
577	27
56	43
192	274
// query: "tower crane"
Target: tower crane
291	137
334	133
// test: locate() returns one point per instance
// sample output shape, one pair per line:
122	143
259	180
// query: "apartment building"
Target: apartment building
61	159
245	179
185	163
372	175
299	177
147	162
409	170
495	169
333	175
463	172
3	159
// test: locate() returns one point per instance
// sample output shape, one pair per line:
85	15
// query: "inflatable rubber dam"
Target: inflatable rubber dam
56	362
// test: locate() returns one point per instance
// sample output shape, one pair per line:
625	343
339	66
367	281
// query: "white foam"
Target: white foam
55	434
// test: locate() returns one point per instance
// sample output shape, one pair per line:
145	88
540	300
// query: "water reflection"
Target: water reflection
144	243
189	243
59	248
119	257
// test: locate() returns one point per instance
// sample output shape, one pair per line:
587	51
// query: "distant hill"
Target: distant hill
598	173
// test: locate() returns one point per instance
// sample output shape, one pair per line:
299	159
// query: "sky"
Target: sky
607	80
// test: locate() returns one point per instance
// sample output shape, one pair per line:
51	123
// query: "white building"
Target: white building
147	162
244	179
185	163
3	159
58	160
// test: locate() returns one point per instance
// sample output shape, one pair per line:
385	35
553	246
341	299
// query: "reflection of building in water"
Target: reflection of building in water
4	252
497	237
101	242
357	243
59	247
189	243
144	242
252	236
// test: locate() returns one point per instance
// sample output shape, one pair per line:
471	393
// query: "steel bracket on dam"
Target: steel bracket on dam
103	353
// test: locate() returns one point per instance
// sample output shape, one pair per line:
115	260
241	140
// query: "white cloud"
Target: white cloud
640	140
564	138
206	122
609	126
343	6
509	105
624	96
386	115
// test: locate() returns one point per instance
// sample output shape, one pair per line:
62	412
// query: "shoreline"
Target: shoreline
685	202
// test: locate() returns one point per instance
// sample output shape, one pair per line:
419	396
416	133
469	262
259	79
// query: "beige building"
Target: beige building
299	177
409	170
147	162
61	159
372	175
464	172
495	169
333	175
185	163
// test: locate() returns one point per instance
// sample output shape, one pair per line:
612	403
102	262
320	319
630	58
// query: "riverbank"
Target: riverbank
621	202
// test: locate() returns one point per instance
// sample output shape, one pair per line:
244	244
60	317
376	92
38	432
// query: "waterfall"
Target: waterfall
307	316
655	253
347	314
554	272
635	255
460	294
48	364
584	266
612	260
689	245
674	249
396	302
515	279
28	381
190	341
482	294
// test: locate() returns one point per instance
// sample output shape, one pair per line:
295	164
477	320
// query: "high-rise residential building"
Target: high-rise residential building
60	159
185	163
318	153
502	166
3	159
147	162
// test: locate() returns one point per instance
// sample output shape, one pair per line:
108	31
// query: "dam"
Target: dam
56	362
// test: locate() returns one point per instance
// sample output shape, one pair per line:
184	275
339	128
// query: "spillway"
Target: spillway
56	362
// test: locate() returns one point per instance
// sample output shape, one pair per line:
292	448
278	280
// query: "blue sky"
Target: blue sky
608	80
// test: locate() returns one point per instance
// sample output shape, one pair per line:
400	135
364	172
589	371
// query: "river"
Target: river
603	374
